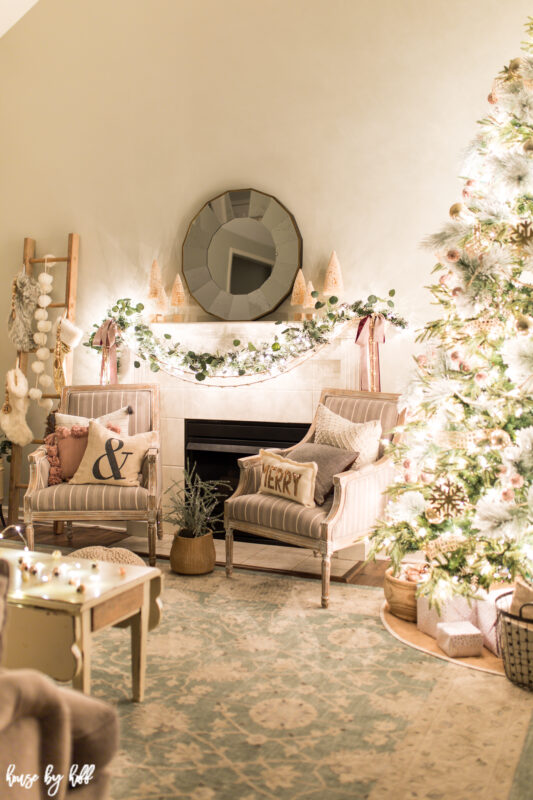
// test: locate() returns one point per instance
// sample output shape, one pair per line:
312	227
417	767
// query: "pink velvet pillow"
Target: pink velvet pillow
65	448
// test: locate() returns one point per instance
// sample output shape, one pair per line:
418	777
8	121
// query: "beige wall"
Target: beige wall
120	118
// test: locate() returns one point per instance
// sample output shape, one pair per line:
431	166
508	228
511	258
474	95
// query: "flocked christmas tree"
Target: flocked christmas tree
464	494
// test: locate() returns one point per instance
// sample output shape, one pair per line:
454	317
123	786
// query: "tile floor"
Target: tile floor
249	554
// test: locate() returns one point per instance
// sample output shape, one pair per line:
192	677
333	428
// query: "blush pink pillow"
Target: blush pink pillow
65	448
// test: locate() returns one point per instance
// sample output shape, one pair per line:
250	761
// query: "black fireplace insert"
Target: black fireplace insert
215	447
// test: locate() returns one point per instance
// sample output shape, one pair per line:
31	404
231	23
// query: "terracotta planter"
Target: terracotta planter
401	596
193	556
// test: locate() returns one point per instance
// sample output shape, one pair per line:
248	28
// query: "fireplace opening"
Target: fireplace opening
215	447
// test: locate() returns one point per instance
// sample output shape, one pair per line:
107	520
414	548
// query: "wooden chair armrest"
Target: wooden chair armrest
150	470
37	455
39	470
359	496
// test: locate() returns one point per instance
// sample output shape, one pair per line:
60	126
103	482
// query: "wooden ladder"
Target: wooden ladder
69	303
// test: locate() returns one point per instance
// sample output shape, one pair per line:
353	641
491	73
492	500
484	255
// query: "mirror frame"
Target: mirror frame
220	303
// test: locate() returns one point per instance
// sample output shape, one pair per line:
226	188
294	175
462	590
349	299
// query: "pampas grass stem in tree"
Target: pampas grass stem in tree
464	495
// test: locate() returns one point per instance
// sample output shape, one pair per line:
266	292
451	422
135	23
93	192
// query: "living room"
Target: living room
268	366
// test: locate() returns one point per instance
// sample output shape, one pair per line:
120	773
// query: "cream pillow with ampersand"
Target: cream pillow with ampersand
287	478
111	458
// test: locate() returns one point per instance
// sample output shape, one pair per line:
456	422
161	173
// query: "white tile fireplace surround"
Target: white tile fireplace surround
292	397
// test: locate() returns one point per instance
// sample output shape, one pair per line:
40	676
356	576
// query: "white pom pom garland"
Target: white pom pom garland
44	301
37	367
44	325
41	313
47	403
43	353
45	281
45	380
35	394
40	338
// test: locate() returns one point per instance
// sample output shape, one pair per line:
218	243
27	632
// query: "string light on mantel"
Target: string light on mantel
248	361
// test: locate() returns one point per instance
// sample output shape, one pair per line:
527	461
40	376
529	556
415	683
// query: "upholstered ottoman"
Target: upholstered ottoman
115	555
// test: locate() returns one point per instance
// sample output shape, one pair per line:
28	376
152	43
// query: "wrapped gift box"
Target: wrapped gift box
459	639
456	609
486	619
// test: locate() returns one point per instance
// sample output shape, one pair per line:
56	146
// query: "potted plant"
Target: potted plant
193	505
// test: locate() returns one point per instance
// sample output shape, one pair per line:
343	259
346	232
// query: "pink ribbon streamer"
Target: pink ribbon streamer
370	334
106	338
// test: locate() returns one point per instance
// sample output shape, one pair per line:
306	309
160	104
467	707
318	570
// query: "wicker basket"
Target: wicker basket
401	596
194	556
515	635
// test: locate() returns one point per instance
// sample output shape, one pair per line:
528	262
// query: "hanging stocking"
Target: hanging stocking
13	413
370	334
68	336
106	338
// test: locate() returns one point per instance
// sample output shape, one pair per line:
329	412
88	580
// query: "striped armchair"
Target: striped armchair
89	502
345	518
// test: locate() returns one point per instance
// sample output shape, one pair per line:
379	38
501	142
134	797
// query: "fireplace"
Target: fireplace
215	446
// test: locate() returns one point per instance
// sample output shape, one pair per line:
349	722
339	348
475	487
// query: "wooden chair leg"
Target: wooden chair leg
159	522
69	532
151	543
30	538
229	552
326	571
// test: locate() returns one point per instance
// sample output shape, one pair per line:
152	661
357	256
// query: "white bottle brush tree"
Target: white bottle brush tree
464	495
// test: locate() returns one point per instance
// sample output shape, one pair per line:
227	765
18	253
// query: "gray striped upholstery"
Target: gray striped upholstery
362	409
277	513
89	497
95	403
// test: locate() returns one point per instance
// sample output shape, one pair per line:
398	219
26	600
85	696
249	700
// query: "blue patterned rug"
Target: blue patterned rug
254	691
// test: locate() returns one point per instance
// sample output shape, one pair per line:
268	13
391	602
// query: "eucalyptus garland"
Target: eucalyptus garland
296	339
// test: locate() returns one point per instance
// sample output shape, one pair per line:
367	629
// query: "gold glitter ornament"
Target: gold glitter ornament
434	515
499	439
456	210
521	234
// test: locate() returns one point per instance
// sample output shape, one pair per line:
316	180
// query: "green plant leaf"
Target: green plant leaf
319	305
154	366
276	346
136	364
167	336
236	342
200	376
252	348
333	300
392	292
371	299
314	294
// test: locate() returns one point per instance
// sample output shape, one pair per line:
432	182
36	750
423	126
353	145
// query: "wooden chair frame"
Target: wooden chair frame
152	515
347	487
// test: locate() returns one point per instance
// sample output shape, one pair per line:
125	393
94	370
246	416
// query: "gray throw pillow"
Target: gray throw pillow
329	460
4	581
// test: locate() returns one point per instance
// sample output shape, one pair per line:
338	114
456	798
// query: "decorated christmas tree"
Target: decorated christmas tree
464	493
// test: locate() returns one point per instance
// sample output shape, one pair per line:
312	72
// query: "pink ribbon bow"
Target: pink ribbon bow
370	334
106	338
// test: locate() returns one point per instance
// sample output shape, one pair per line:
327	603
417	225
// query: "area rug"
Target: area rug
254	691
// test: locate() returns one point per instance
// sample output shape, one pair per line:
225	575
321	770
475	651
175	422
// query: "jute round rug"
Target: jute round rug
254	691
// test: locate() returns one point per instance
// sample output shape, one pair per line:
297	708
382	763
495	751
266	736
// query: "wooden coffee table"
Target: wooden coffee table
56	604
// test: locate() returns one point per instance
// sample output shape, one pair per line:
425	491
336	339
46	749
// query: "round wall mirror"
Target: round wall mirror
241	255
